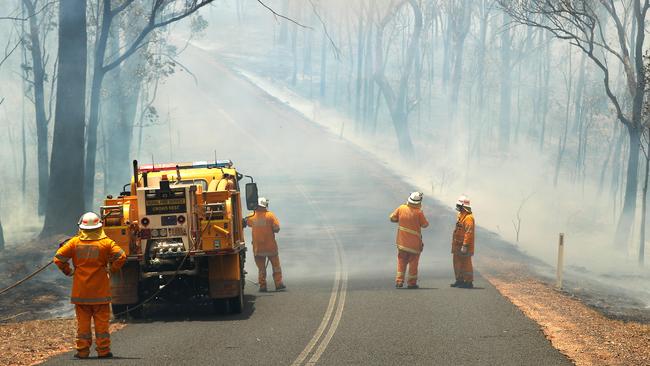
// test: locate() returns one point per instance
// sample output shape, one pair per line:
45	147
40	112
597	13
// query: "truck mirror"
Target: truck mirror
251	196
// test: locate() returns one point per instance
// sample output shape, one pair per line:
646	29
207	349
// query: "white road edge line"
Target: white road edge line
341	273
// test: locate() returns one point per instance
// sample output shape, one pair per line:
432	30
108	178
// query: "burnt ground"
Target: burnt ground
42	296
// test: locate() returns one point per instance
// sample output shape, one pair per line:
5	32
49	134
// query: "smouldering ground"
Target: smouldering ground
581	333
32	342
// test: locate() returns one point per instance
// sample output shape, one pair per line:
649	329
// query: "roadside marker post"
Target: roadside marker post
560	261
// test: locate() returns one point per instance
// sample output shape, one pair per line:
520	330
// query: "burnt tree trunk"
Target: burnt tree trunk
65	189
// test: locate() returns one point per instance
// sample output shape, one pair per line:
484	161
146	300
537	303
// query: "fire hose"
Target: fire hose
266	265
39	270
141	304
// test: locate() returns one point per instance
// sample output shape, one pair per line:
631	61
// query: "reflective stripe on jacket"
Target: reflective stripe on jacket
91	252
463	233
410	220
264	224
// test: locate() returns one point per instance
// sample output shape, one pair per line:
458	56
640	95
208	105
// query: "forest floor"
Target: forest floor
44	296
32	342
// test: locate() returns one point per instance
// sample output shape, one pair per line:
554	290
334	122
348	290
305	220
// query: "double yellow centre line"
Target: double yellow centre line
332	317
328	325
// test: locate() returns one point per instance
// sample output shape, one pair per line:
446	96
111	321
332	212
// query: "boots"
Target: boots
466	284
280	287
412	287
399	284
263	289
456	284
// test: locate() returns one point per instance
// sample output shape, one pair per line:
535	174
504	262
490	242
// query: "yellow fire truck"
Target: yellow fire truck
181	227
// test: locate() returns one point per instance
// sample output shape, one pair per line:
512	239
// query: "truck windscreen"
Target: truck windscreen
161	202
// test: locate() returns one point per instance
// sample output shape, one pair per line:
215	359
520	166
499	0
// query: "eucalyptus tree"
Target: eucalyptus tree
610	33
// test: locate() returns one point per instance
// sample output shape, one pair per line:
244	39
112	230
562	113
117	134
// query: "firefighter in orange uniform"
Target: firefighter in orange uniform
462	245
265	225
226	183
410	219
93	255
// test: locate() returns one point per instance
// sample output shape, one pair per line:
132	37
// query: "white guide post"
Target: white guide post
560	261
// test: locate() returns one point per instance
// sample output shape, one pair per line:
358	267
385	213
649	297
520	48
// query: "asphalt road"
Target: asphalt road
336	247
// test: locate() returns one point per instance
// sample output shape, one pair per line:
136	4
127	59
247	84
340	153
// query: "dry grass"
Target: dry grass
578	331
32	342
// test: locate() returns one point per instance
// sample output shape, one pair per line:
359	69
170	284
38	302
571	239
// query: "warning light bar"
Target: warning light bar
148	168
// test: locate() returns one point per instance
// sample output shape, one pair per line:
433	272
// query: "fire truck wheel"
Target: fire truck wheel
236	304
220	306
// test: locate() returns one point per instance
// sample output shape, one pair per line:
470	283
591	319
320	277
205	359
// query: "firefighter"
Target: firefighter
462	245
226	183
264	225
410	219
93	256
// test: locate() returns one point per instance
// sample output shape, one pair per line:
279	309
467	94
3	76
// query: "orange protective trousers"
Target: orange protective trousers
101	315
404	258
261	267
463	268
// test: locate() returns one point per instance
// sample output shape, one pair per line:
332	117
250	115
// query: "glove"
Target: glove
463	249
68	272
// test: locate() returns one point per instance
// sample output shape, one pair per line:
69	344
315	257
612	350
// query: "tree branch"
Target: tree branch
283	16
337	51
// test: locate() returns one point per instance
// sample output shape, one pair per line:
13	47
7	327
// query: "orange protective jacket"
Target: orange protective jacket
410	219
264	225
463	233
92	252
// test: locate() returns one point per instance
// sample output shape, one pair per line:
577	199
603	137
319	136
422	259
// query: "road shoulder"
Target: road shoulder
581	333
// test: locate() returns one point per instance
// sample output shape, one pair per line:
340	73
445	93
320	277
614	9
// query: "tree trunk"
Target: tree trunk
2	237
506	86
95	98
546	76
397	102
457	73
481	59
561	144
39	106
446	55
644	204
284	26
323	66
631	184
110	115
294	52
369	96
65	189
359	81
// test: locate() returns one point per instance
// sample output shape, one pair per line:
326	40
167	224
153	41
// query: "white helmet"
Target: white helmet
463	201
263	202
415	198
89	221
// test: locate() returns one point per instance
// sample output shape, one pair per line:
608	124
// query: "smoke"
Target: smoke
512	190
353	171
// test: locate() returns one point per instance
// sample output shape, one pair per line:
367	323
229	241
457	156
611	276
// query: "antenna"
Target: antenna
153	164
215	156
